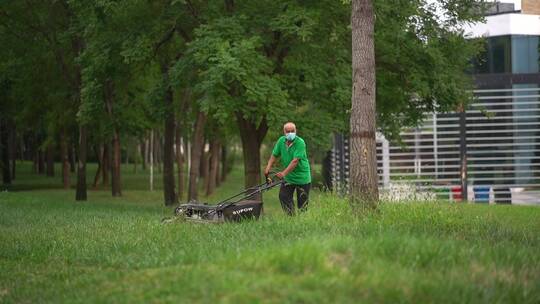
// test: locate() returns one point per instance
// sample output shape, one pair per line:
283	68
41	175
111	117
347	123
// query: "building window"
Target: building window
499	54
517	54
525	54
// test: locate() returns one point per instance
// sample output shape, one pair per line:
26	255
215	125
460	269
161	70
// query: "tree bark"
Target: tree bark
106	164
169	193
218	169
80	194
136	158
4	151
196	148
12	148
157	151
363	158
151	159
72	157
144	153
50	159
35	155
252	137
160	153
65	159
23	152
179	161
205	165
116	187
224	163
213	164
203	172
99	157
41	162
126	161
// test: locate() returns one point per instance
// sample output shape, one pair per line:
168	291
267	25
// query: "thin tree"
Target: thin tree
151	160
363	159
195	155
169	193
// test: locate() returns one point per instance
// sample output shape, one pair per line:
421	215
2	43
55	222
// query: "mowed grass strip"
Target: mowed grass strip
53	249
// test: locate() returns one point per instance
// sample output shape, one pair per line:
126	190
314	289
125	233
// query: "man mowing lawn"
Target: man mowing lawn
291	150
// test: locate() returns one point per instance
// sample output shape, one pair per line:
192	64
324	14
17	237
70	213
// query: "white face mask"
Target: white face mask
290	136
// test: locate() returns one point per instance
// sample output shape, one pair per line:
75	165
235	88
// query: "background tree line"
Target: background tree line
156	81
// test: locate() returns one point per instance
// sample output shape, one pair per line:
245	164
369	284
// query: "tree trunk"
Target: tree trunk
4	151
252	137
151	159
196	148
363	158
136	158
144	152
205	164
23	149
203	172
181	142
218	160
41	162
99	157
12	149
179	161
35	157
224	163
213	164
116	187
157	151
106	164
126	161
169	193
72	157
80	194
50	159
65	159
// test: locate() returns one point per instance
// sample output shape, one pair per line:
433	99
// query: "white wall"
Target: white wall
505	24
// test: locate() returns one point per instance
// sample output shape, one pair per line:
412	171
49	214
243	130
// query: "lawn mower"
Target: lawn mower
243	205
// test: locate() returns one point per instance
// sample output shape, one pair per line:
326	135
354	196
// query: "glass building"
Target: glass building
510	65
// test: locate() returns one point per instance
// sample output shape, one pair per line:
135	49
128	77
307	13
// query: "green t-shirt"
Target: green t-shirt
301	174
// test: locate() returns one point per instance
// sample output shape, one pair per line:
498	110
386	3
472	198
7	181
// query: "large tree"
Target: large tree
261	64
420	58
363	155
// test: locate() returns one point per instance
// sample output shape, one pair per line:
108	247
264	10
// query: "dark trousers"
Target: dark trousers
286	197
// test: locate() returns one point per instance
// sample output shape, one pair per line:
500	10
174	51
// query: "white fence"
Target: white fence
498	139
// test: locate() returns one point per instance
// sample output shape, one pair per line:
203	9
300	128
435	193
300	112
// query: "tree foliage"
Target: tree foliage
110	65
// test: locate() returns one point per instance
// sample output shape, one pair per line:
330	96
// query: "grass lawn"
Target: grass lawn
53	249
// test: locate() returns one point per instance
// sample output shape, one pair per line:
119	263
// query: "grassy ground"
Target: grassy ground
53	249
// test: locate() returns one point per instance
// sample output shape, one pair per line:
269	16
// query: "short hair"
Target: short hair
289	123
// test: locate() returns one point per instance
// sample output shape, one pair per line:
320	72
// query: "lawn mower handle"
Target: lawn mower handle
267	185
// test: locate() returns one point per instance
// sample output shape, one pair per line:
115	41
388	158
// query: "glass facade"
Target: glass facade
509	54
511	63
525	105
525	54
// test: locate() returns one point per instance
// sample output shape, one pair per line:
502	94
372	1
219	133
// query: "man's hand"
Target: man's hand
269	165
280	175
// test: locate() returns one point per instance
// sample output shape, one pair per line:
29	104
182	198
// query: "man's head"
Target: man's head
289	129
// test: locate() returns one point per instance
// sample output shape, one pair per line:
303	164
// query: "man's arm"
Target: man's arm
271	162
289	168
